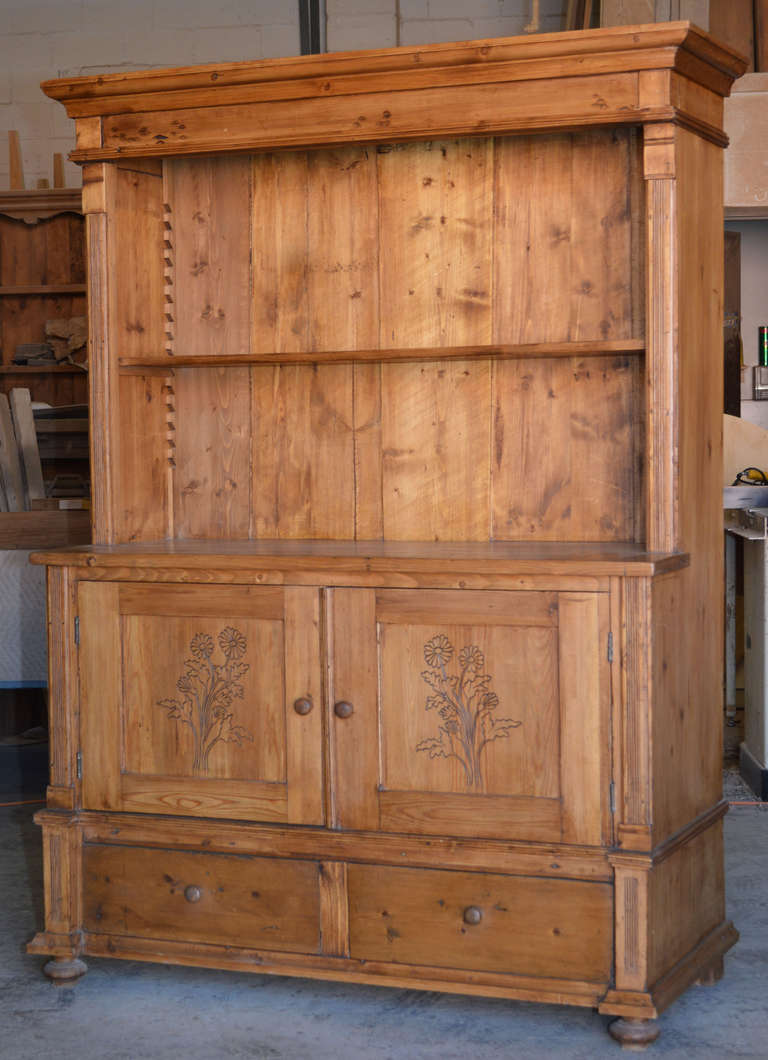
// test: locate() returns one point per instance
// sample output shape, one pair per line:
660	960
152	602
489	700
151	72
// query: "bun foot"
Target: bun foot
634	1035
713	974
63	970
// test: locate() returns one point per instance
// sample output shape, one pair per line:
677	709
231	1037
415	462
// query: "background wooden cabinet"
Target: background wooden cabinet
400	639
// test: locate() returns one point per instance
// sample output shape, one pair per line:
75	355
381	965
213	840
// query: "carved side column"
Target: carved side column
62	879
662	368
98	196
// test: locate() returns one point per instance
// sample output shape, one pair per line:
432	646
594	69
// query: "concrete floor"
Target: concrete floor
131	1011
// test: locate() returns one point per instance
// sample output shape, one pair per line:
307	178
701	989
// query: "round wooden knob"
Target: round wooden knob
193	893
303	705
342	709
472	915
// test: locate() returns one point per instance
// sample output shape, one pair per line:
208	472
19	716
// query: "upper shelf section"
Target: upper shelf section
667	72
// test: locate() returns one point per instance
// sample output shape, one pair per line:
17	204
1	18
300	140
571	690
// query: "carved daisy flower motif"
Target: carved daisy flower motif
232	643
438	651
471	658
202	645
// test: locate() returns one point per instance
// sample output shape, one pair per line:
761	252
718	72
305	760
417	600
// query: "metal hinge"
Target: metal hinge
77	630
79	765
610	647
612	797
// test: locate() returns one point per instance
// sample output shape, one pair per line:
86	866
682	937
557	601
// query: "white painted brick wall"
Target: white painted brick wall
40	39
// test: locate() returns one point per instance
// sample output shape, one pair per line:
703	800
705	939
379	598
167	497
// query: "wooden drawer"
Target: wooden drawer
267	903
482	922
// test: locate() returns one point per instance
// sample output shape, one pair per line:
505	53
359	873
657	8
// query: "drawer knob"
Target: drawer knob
303	705
342	709
472	915
193	893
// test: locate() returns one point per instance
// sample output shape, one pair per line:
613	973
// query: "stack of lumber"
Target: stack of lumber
29	518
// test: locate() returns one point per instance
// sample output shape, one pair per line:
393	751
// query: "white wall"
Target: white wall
754	307
40	39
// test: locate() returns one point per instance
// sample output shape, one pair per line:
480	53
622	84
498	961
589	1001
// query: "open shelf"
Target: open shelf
42	289
41	369
412	353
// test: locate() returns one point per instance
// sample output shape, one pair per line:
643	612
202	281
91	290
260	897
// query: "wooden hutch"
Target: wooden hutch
397	658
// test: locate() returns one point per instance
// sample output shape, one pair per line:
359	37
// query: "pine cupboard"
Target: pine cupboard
396	658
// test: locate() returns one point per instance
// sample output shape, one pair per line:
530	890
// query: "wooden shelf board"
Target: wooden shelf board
429	353
40	369
45	529
43	289
509	557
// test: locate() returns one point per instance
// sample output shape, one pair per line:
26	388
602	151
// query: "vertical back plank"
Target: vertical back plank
566	438
137	318
532	244
601	237
279	240
435	451
142	505
212	480
303	458
435	220
342	277
369	517
210	207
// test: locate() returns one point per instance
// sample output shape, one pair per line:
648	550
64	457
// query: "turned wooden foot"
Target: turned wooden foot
634	1034
713	974
63	970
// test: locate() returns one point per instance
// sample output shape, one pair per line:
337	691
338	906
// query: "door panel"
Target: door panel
474	713
189	696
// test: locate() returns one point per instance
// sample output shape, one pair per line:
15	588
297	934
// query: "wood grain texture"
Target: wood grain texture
535	819
614	49
302	453
63	692
692	681
545	559
209	203
334	909
635	664
62	875
567	443
343	249
436	237
678	924
333	969
212	481
99	659
253	901
305	763
561	255
585	712
279	246
507	856
435	455
418	917
104	444
353	678
143	509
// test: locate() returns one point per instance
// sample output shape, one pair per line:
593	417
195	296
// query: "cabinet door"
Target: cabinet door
203	701
471	713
